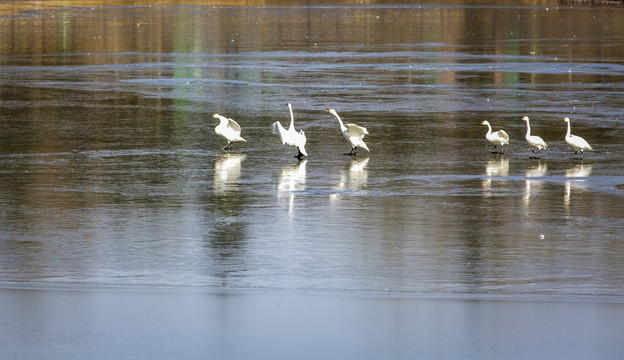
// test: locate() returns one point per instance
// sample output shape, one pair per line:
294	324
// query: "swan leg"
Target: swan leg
535	156
578	154
352	152
228	146
299	155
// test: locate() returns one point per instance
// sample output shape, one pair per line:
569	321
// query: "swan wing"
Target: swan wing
503	134
290	136
537	142
278	129
360	144
295	138
275	128
301	141
229	134
354	130
301	138
234	126
354	134
579	143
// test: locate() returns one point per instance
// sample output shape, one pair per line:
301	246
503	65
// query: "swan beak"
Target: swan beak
330	110
525	118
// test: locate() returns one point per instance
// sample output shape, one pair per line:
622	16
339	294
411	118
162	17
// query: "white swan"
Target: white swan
536	142
229	130
353	133
498	138
576	142
291	136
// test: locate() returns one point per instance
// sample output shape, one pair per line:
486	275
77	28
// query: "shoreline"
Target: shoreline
200	290
137	324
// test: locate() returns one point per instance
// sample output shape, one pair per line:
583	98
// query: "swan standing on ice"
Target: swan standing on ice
536	142
353	133
498	138
576	142
229	130
291	136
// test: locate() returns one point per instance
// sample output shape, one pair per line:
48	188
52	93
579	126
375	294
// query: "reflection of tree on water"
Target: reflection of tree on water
495	166
353	177
225	210
536	170
292	179
479	223
576	181
473	272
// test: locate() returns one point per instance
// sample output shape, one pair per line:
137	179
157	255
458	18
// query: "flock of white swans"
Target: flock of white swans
500	138
354	134
231	131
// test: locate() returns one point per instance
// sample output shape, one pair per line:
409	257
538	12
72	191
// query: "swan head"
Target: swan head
485	122
331	111
567	119
525	118
221	118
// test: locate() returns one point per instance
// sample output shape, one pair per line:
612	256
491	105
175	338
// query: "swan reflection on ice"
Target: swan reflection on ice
576	180
292	179
537	170
352	177
495	166
227	171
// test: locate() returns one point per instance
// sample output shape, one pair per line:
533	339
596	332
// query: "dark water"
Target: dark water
111	173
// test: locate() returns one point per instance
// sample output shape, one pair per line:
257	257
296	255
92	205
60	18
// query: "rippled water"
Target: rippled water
111	173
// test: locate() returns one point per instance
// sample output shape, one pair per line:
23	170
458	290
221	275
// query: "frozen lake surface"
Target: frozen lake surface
111	175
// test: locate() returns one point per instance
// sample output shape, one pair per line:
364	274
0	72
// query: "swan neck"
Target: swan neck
292	118
568	133
528	133
342	127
